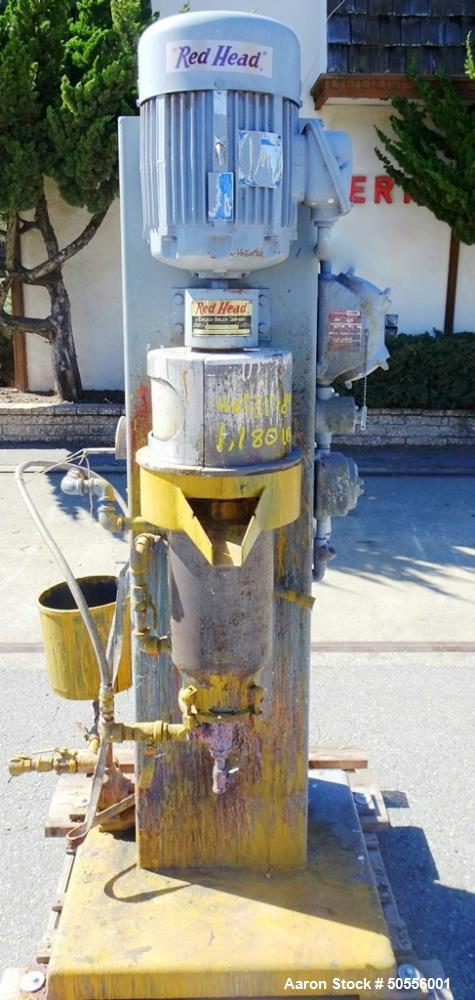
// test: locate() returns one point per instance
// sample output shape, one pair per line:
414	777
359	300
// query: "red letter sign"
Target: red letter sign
357	192
383	189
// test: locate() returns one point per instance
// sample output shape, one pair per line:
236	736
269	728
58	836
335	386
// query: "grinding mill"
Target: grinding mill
219	870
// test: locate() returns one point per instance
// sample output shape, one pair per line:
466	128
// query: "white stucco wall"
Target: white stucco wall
399	245
94	286
465	303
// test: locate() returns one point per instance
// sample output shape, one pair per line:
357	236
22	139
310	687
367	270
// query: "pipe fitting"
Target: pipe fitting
140	551
334	415
109	518
153	645
153	733
74	483
62	761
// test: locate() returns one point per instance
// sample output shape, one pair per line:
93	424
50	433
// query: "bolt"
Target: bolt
32	981
362	799
262	327
178	299
408	971
178	328
262	300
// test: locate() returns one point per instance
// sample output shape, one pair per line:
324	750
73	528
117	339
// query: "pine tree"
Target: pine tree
432	155
67	71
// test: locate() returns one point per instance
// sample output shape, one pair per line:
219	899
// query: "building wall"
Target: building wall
93	276
93	281
399	245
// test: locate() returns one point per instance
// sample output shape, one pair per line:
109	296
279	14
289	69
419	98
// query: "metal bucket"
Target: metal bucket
70	659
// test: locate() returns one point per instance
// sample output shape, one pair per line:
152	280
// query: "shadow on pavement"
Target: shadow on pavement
440	919
414	530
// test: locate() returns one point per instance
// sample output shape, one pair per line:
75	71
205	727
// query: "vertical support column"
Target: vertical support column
261	822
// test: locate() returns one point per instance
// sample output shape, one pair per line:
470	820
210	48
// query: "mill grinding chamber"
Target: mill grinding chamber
242	873
218	474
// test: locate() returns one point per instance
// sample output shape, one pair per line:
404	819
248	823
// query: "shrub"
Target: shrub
425	372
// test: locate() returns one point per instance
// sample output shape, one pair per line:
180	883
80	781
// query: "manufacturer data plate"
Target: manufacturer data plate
224	318
221	317
345	329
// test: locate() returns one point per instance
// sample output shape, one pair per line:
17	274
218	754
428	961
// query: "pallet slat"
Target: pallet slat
341	758
369	801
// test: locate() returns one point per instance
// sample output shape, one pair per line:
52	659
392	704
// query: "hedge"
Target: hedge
425	372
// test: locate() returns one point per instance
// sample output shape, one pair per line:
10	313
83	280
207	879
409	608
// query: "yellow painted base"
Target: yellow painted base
130	934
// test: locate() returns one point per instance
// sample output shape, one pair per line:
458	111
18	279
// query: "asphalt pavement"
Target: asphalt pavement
399	590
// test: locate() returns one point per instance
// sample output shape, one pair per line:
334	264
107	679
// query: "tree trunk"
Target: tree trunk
452	277
65	363
56	328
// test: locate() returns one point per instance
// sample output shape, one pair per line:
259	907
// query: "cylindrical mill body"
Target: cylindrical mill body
221	616
220	411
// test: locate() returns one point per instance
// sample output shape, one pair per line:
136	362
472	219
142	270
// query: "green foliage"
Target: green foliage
98	85
470	60
434	153
425	373
31	36
67	70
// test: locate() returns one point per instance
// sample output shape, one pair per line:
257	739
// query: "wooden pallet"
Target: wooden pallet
69	804
43	951
71	795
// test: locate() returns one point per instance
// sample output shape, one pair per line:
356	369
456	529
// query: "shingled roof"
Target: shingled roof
391	36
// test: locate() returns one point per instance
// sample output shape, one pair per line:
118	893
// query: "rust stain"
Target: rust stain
141	415
280	553
140	424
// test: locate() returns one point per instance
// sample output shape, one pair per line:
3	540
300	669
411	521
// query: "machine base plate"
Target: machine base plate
130	934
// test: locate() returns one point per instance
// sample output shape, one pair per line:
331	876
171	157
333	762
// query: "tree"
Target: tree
67	71
434	153
470	60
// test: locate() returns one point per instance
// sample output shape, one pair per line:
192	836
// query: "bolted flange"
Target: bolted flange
337	485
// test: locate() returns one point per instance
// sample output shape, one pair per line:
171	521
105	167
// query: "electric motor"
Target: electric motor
219	117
